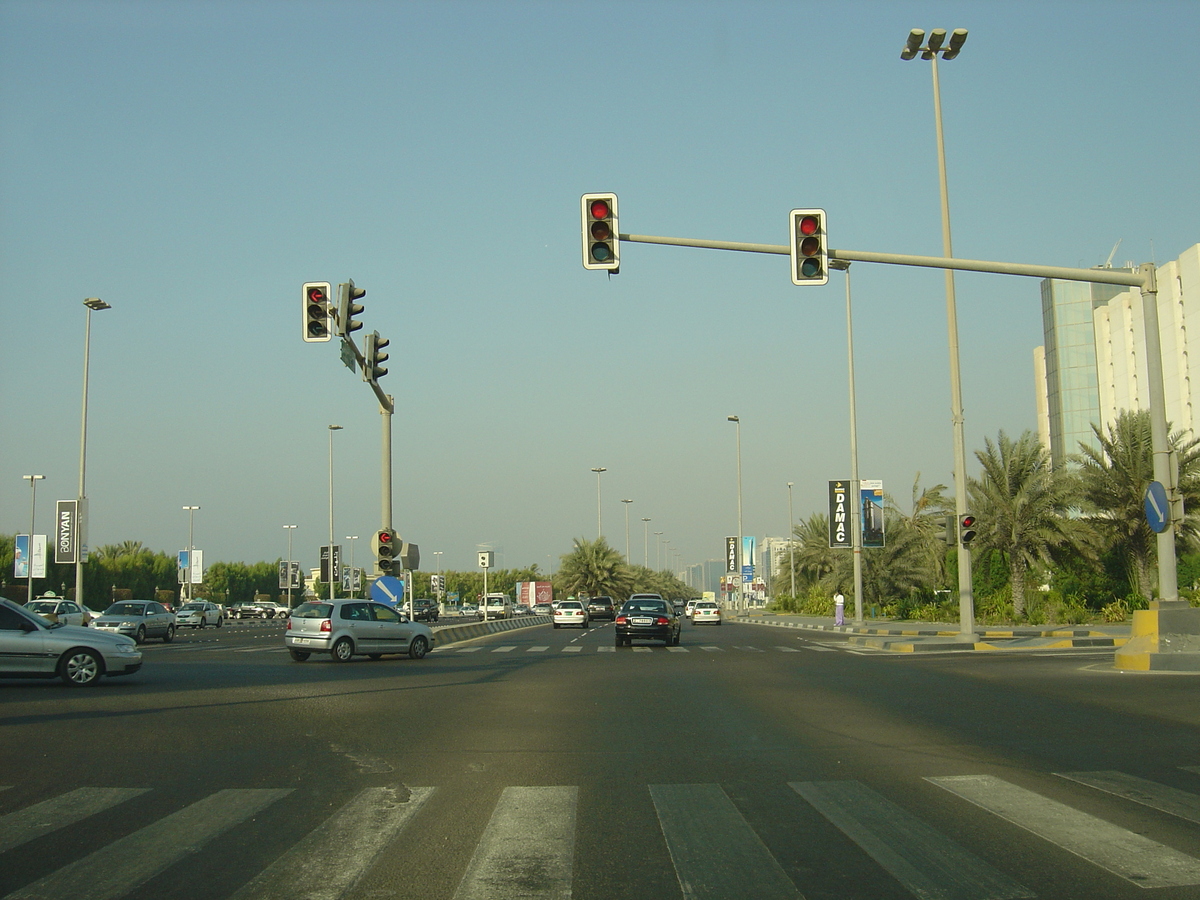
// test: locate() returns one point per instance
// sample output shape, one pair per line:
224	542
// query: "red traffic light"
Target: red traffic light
809	225
968	521
601	235
600	209
316	294
385	537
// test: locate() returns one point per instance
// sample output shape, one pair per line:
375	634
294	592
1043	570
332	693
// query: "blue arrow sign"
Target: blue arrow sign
1156	506
389	590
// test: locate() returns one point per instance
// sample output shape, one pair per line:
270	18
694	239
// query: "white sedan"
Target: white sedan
571	612
199	614
54	609
706	612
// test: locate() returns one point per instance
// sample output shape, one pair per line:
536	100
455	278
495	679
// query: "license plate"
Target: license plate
300	640
642	621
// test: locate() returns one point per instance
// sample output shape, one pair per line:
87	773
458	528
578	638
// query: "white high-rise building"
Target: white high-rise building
1093	363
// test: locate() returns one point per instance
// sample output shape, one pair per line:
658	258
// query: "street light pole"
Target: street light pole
627	502
187	575
931	50
332	574
658	550
856	527
792	540
599	470
81	514
33	480
352	539
737	603
646	543
290	529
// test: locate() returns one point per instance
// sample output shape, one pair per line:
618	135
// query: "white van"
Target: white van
496	606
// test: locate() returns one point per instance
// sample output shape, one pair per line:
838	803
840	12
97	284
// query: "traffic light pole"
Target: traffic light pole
1144	279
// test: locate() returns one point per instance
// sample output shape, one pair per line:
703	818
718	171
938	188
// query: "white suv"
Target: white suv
496	606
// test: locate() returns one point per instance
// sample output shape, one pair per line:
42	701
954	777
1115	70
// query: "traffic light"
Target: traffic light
967	528
385	545
601	238
317	315
373	357
949	531
348	308
810	247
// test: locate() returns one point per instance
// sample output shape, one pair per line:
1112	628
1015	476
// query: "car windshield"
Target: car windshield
313	611
126	609
197	606
41	607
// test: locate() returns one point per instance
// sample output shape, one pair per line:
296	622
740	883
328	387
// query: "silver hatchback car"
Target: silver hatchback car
31	647
346	628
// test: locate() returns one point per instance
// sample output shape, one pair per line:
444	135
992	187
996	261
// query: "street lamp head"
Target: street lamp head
626	501
841	265
289	526
957	39
935	43
733	418
190	507
335	427
915	38
95	303
599	469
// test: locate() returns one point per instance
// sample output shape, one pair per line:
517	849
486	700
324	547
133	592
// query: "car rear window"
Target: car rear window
646	606
313	611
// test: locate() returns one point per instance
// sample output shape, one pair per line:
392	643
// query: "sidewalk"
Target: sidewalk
914	637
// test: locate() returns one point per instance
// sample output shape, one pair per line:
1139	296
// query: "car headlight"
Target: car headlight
126	648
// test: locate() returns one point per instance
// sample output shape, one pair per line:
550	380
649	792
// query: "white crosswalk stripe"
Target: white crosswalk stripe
527	844
130	861
1137	859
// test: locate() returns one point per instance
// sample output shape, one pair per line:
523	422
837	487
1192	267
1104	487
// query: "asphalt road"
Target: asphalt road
749	762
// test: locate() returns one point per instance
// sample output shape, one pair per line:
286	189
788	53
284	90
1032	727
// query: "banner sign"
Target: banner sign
22	554
839	515
748	561
731	555
66	540
871	498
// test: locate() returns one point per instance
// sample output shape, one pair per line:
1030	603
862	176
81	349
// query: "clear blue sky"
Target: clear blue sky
193	164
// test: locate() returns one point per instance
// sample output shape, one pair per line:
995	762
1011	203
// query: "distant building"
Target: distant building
1093	365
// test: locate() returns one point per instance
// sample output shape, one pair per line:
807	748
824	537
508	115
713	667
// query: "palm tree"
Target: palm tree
595	569
1025	505
1114	479
930	506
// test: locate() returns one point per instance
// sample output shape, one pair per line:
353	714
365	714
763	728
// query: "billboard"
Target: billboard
66	532
839	515
871	500
22	555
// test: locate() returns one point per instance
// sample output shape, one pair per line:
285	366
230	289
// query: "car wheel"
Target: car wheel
342	650
620	640
140	637
203	622
170	635
81	667
220	622
419	647
298	655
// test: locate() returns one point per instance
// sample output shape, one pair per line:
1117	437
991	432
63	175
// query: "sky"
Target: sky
193	164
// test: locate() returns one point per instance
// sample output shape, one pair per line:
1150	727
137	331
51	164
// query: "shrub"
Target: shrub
1117	611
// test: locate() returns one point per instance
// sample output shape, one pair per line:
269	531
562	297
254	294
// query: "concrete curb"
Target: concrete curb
456	634
900	639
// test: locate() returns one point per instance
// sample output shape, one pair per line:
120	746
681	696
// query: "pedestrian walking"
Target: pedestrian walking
839	609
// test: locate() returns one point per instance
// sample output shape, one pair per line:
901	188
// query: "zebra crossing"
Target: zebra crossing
640	648
527	847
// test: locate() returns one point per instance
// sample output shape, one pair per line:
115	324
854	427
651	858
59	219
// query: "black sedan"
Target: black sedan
601	608
647	618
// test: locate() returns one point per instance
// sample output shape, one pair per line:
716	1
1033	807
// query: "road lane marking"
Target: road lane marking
537	649
469	650
715	852
788	649
24	825
505	649
527	848
572	650
678	650
1148	793
821	648
925	861
357	834
607	649
710	648
643	650
117	869
748	649
1137	859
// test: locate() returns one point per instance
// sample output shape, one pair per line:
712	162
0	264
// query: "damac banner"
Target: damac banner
839	515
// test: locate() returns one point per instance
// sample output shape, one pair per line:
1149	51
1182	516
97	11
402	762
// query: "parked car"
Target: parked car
347	628
601	608
56	609
140	619
647	616
199	614
706	612
31	647
425	610
571	612
258	609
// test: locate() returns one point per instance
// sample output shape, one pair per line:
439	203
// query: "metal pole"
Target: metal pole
646	543
290	529
81	513
658	550
627	502
385	493
855	489
792	540
352	539
599	530
330	567
737	603
33	480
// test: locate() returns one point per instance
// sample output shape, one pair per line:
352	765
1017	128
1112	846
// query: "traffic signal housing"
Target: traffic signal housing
386	545
347	308
949	531
374	357
809	246
967	528
317	313
601	236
